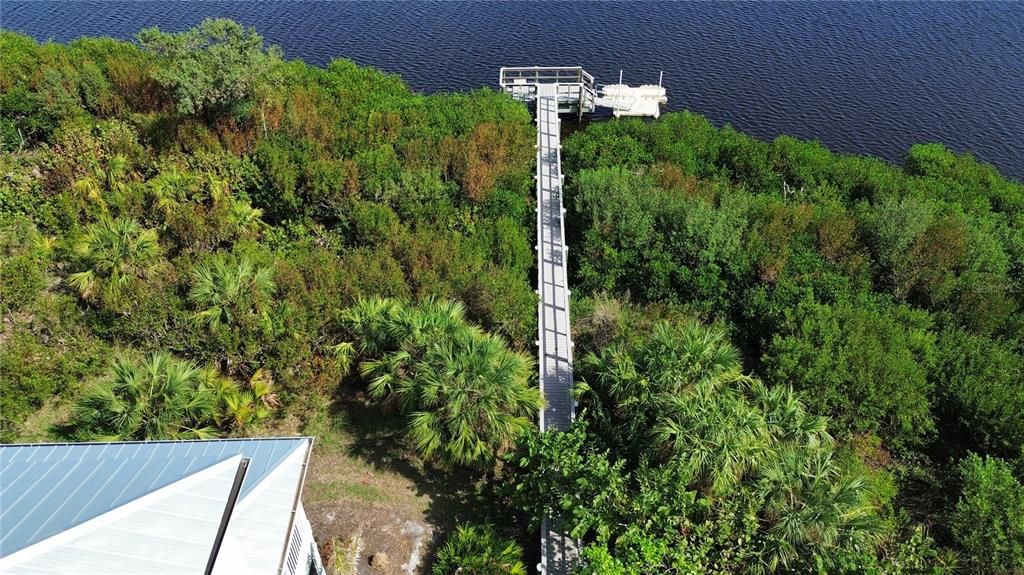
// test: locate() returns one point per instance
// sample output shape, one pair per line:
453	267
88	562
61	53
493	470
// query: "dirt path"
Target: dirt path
375	509
361	513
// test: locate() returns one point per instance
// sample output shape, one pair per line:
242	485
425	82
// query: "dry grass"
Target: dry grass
346	557
362	506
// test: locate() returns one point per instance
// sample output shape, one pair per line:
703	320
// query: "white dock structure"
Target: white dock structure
577	92
557	90
559	553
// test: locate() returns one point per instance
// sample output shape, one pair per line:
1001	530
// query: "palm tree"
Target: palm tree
629	390
728	435
229	288
118	253
169	188
118	167
467	395
368	322
408	332
243	218
478	550
239	215
473	399
787	419
716	437
244	408
811	507
113	179
90	189
158	398
685	353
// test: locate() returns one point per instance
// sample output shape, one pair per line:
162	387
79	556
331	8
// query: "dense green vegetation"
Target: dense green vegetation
167	398
693	467
196	195
467	396
988	518
888	299
478	550
788	360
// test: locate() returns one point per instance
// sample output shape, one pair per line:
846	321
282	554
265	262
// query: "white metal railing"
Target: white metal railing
575	87
545	75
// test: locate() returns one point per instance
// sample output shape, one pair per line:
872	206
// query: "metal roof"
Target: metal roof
48	488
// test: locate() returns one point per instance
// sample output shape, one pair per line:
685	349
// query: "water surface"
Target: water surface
860	77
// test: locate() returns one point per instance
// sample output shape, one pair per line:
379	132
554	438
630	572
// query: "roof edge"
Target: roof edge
296	503
180	486
152	441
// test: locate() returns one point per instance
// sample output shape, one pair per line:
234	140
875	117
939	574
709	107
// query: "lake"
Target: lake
860	77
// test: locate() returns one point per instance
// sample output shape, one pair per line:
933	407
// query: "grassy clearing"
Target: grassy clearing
36	428
338	489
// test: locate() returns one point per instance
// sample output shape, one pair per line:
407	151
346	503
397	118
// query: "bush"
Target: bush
478	550
21	278
989	519
864	363
25	255
211	67
43	358
981	384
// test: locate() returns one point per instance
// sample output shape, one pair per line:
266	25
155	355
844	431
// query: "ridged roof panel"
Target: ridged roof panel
48	488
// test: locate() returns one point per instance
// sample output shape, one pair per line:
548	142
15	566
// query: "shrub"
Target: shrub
864	363
478	550
989	519
981	384
212	67
25	255
44	357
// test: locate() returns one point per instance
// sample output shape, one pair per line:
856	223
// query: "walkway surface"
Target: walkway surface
559	552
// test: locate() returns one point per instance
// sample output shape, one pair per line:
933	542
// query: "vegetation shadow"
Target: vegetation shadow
377	436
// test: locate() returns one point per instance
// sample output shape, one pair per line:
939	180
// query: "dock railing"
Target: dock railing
577	90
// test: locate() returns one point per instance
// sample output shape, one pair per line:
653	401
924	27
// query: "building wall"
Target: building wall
303	556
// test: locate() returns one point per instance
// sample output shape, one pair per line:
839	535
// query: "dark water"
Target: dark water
865	77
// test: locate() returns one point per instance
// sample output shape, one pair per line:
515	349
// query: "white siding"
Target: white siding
306	544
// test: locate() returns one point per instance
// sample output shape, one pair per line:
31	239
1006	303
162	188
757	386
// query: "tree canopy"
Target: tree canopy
212	67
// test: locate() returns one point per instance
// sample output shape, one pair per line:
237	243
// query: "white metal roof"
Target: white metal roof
260	522
170	530
58	503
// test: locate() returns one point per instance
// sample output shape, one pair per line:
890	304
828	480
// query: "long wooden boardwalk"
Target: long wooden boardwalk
559	552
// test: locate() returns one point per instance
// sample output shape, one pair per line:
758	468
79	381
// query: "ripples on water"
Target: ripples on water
866	77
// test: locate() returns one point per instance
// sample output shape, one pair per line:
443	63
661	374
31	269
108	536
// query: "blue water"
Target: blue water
864	77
